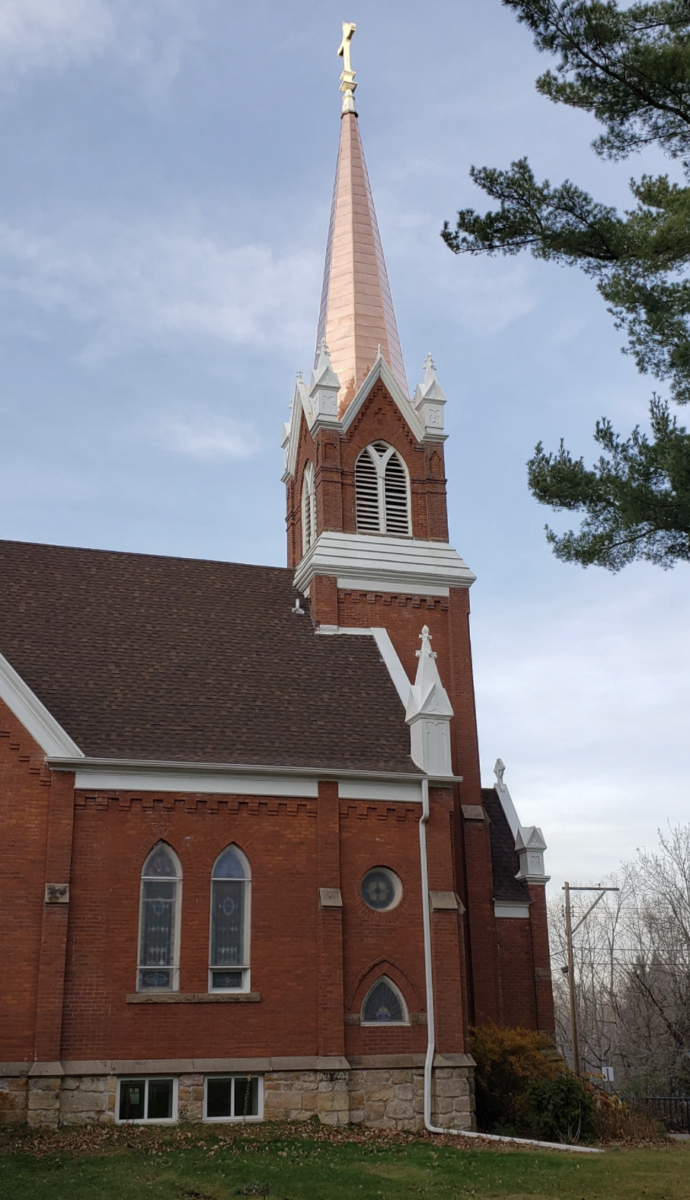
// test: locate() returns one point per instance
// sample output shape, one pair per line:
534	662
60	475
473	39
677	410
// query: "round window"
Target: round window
381	889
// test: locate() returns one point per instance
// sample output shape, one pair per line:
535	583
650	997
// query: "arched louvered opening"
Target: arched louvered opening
308	508
397	497
367	491
384	1004
382	491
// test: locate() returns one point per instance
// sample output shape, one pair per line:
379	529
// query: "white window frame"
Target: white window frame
308	508
258	1116
384	1024
246	967
175	965
145	1079
380	462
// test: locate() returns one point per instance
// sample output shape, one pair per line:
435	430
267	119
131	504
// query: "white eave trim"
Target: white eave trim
34	715
104	774
370	562
511	909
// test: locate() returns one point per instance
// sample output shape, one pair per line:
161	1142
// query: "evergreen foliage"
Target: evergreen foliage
630	67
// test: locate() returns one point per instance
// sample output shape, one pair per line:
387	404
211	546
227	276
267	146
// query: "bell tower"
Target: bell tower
367	522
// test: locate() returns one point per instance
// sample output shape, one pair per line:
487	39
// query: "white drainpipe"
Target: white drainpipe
430	1016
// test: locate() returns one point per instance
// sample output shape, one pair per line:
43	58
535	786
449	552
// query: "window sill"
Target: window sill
193	997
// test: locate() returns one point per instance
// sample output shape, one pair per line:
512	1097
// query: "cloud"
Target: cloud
206	436
127	285
39	33
53	35
586	700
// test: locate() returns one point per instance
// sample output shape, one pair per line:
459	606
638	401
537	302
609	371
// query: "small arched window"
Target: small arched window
159	921
308	508
384	1004
230	902
382	491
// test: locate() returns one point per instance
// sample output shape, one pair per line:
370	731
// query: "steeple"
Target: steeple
356	306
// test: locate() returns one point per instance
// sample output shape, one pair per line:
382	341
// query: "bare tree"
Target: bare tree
632	973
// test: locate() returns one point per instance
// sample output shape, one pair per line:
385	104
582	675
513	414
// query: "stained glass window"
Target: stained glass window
229	951
383	1004
381	889
159	920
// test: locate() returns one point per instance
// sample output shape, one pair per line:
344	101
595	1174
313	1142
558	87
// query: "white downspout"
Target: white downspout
430	1015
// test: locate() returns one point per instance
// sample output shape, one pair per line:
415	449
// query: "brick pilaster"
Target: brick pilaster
53	951
330	926
446	932
542	958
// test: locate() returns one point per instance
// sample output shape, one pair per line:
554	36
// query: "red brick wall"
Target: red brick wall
24	805
292	852
516	973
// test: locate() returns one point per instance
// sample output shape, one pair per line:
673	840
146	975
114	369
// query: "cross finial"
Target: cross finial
425	639
347	79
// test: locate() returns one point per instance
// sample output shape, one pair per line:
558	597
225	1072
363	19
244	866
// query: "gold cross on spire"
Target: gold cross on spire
347	79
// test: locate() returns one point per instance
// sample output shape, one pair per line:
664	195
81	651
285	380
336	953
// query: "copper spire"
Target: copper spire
356	306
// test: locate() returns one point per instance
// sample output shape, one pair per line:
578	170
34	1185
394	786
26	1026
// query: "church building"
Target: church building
247	867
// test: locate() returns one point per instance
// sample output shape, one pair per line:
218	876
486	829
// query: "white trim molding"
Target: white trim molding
511	909
529	839
370	562
33	714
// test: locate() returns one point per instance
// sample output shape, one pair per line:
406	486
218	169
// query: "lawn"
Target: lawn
291	1163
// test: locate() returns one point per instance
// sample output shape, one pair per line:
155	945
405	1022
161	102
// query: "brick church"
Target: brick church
248	869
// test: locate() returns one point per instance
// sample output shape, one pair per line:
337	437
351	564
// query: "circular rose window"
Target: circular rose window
381	889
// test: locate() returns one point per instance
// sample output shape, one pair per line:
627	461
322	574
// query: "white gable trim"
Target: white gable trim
300	405
382	371
34	715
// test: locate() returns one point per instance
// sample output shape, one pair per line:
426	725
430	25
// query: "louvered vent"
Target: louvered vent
397	507
367	492
382	492
308	508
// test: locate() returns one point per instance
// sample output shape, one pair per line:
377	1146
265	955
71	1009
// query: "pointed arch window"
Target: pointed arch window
308	508
382	491
384	1004
230	913
159	921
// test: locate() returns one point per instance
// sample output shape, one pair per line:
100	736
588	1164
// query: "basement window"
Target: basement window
146	1100
233	1098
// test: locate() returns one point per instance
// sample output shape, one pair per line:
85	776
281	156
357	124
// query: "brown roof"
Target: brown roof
145	657
505	862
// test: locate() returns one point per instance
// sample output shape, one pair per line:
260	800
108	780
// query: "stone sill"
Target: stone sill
193	997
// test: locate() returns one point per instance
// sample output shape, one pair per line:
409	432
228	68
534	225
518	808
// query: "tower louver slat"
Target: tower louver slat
367	493
397	506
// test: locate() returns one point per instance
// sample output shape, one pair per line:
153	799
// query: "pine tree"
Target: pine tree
630	67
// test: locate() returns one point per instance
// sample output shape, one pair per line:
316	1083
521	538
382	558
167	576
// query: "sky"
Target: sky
167	177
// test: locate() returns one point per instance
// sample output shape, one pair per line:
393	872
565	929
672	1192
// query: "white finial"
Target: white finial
429	364
499	772
425	639
347	79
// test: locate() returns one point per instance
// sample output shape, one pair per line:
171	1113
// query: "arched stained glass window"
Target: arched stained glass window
382	491
383	1004
230	895
159	921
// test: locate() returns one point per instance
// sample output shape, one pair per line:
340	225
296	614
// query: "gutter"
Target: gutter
430	1015
330	773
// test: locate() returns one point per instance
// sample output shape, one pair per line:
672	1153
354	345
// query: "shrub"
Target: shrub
560	1109
616	1121
507	1061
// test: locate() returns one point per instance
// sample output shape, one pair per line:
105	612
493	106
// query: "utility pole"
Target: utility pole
569	931
571	980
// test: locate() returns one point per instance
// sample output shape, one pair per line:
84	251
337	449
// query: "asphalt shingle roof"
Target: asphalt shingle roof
146	657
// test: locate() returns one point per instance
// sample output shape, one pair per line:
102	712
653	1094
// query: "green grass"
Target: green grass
317	1164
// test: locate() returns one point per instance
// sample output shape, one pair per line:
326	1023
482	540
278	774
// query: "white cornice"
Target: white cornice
369	562
34	715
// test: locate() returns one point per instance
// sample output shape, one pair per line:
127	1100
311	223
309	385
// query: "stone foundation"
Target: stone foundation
387	1096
